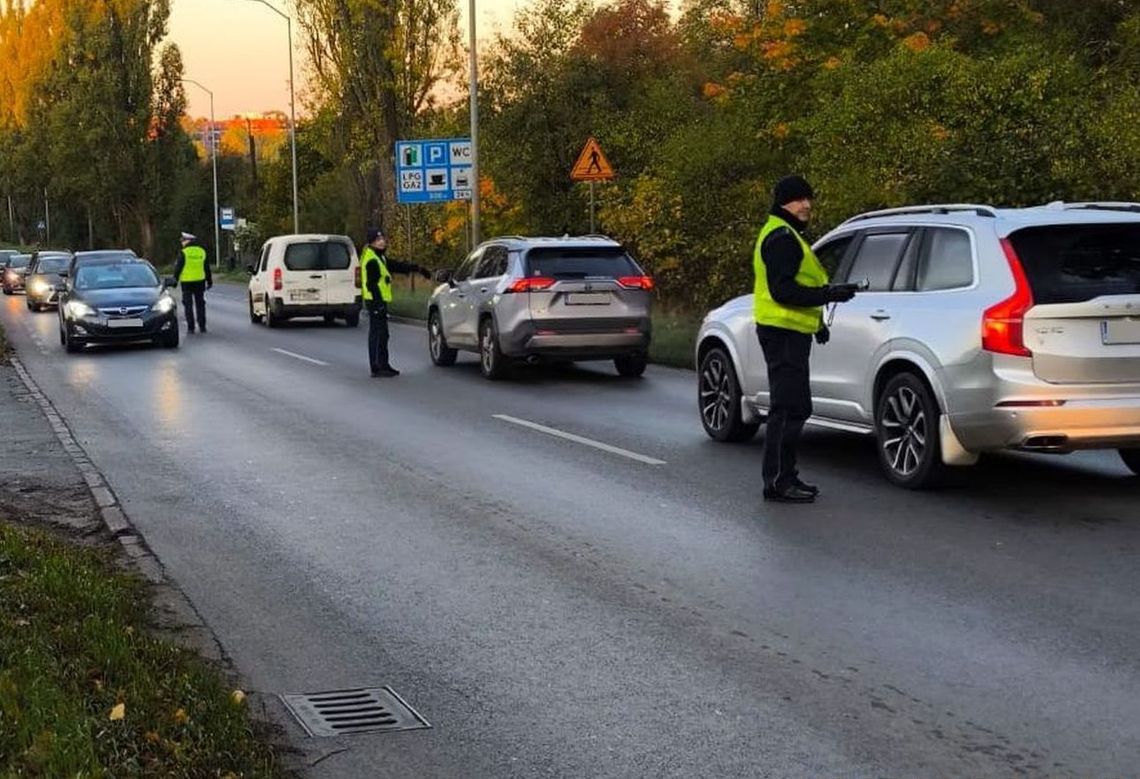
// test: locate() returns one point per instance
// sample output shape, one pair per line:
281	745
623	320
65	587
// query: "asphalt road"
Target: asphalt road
558	609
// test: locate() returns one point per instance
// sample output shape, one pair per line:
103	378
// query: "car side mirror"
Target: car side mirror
251	270
170	282
444	276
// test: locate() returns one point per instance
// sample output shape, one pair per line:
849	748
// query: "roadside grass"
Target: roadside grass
5	348
674	331
86	691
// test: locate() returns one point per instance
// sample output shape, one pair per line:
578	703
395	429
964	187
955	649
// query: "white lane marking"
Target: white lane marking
296	356
641	458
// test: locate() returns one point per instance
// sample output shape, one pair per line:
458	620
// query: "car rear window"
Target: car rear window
337	256
1076	263
330	255
582	263
19	260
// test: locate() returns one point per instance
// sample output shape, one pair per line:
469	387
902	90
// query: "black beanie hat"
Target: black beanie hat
790	189
374	233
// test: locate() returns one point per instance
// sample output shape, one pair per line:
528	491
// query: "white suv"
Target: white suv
983	329
305	276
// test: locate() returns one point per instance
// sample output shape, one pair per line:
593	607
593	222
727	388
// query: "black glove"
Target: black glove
822	335
840	293
425	273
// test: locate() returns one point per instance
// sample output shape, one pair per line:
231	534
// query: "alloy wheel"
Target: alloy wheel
486	351
905	431
435	338
716	393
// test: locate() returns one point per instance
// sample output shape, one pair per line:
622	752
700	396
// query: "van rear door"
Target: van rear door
340	264
1084	326
304	274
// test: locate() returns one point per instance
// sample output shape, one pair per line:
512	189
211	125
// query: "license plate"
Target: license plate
588	299
304	295
124	323
1120	331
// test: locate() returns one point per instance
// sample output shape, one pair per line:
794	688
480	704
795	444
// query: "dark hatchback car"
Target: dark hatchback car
45	279
117	301
15	271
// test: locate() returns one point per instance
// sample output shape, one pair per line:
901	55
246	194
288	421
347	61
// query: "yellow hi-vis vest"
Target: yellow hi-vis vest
802	319
193	264
370	255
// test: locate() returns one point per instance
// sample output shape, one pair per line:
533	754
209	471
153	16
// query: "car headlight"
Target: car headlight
39	287
77	309
164	305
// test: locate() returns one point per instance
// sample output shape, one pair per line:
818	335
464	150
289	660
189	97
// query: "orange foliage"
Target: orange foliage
918	42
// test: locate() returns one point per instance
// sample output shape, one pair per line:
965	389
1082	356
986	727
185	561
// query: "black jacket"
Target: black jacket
182	261
783	254
372	280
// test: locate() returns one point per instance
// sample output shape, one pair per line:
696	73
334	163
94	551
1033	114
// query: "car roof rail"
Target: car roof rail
943	208
1107	205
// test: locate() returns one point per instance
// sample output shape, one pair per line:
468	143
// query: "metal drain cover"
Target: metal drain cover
341	712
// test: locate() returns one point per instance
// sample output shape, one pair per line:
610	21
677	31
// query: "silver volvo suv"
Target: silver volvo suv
530	299
982	329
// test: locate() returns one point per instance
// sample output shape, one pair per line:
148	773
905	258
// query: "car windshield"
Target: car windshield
51	264
1076	263
580	263
115	276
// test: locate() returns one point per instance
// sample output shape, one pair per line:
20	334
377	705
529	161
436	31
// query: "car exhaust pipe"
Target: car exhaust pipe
533	359
1046	443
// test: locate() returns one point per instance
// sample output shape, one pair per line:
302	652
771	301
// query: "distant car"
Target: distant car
983	329
45	279
532	299
14	273
115	301
305	276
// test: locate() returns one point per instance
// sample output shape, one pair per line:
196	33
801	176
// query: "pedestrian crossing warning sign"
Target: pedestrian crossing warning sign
592	164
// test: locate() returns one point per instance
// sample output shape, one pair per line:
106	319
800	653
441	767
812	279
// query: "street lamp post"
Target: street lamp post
213	147
474	87
292	111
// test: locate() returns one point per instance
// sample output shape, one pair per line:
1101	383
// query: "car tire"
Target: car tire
352	318
330	319
491	360
7	291
438	349
170	340
719	399
31	306
1131	458
907	433
271	321
631	366
70	345
254	317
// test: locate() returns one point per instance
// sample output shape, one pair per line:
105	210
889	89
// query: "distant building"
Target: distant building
264	124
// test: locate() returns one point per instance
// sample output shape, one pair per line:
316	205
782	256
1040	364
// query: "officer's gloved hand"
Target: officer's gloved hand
822	335
840	293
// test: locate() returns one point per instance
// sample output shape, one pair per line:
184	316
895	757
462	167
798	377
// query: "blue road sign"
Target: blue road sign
227	219
433	171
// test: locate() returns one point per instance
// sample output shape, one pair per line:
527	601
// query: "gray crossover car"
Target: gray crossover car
530	299
983	329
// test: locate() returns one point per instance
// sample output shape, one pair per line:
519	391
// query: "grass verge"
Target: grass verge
674	332
86	691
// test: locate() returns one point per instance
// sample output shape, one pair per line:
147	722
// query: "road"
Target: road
559	609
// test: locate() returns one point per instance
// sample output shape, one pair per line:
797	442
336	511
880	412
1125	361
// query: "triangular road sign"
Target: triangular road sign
592	164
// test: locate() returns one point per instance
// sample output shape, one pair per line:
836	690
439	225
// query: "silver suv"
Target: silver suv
983	329
529	299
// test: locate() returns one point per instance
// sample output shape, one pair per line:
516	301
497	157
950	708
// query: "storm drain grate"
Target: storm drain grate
341	712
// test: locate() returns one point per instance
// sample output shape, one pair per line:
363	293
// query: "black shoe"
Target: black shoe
189	331
789	494
385	373
814	490
203	330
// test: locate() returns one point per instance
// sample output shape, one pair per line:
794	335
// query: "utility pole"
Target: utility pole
213	147
47	218
474	87
12	222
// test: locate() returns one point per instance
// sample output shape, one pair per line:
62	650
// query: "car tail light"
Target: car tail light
1003	324
278	281
356	277
636	282
531	284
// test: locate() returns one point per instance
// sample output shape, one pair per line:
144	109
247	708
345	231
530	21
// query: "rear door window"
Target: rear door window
304	257
1076	263
493	264
580	263
337	256
463	272
877	260
947	262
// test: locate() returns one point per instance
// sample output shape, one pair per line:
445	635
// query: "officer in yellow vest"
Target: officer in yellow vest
192	271
791	291
376	270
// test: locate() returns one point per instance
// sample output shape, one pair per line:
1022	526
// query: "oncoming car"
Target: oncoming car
117	301
983	329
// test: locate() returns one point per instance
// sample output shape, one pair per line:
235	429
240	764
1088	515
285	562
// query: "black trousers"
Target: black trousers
789	383
378	336
194	304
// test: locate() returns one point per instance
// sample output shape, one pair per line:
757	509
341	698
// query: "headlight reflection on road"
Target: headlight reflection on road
168	396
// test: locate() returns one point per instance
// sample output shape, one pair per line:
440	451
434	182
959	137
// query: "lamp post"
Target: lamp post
213	159
292	111
474	88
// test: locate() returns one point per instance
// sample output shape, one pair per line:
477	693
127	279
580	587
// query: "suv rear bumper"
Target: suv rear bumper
531	340
1107	423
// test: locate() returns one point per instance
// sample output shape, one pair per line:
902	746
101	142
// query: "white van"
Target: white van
305	276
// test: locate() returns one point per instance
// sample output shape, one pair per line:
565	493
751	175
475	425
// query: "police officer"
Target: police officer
377	271
192	271
791	290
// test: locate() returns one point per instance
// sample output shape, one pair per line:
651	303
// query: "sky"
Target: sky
239	50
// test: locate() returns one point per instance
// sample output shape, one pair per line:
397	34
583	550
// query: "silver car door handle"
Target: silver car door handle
880	316
316	276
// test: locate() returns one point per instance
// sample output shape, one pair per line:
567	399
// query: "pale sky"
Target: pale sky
239	49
